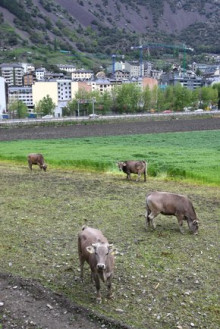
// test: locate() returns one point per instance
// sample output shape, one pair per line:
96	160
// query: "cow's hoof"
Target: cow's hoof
98	300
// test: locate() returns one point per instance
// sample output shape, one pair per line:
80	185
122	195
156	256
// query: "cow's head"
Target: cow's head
121	165
44	166
101	252
194	226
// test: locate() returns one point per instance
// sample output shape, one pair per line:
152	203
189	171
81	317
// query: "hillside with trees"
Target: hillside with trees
100	28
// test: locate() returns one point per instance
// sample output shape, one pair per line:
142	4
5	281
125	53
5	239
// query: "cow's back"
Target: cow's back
90	235
35	158
170	203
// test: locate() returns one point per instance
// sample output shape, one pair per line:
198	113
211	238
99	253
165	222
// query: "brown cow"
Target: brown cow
36	159
133	167
171	204
94	248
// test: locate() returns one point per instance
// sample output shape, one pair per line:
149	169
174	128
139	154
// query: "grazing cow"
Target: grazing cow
94	248
36	159
133	167
171	204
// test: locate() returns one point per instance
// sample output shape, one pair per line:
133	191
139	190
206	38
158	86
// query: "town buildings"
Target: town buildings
2	97
25	83
12	73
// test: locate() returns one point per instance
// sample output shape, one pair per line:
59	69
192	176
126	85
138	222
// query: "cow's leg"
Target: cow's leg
128	175
152	215
30	165
109	286
180	221
97	285
81	261
139	176
92	277
145	175
147	217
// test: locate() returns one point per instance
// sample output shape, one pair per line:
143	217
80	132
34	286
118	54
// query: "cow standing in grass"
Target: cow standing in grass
36	159
171	204
94	248
133	167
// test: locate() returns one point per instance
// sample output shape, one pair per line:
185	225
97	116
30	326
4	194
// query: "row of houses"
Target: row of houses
24	82
60	90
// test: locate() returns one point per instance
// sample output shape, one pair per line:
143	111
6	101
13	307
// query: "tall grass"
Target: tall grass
193	156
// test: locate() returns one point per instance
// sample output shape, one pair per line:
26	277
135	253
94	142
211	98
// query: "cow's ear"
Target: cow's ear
90	249
111	249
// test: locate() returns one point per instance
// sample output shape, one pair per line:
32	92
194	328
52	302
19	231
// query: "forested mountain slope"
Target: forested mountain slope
107	26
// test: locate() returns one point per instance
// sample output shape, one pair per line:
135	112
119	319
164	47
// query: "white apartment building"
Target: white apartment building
66	67
101	85
28	68
2	96
64	90
23	94
12	73
134	69
60	91
40	73
82	75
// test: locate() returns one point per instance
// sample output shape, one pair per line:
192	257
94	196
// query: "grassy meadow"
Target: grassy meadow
163	280
191	156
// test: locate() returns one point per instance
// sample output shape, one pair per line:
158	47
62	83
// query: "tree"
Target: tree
127	98
208	96
45	106
18	109
182	97
216	86
146	98
105	102
205	96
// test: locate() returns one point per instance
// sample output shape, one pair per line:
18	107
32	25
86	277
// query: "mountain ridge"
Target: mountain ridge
108	26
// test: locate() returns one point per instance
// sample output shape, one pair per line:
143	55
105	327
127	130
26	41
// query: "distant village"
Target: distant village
26	83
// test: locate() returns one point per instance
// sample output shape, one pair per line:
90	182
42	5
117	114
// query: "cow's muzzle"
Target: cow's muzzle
101	267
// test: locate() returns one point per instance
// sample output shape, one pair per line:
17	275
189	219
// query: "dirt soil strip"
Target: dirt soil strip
25	304
109	129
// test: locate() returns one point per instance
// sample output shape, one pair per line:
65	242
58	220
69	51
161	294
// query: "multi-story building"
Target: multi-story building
40	73
12	73
23	94
121	75
28	79
28	68
101	85
64	90
82	75
134	69
188	81
67	68
53	76
60	91
2	97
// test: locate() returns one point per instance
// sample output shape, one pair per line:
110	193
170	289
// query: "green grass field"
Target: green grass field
174	277
192	156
